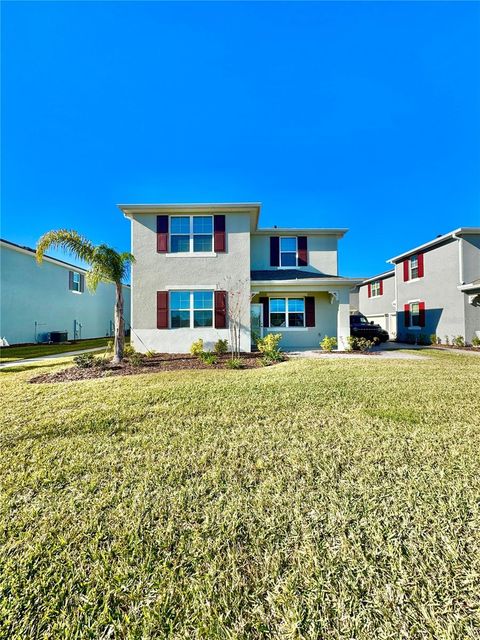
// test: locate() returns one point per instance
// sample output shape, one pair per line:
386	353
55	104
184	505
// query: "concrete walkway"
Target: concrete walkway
65	354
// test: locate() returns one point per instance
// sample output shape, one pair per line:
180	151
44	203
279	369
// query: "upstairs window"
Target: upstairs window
75	281
288	252
287	312
191	309
413	267
191	234
375	289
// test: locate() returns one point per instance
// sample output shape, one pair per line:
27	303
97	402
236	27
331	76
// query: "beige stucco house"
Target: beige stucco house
202	267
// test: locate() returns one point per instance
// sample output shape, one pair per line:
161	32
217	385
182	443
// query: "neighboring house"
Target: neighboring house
376	300
438	287
36	299
200	268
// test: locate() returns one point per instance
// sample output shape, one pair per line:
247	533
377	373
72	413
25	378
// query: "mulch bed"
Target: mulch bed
450	347
155	364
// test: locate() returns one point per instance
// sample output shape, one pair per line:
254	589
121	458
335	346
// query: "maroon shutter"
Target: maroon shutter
70	280
369	290
302	251
162	234
274	251
162	309
219	240
381	287
82	283
264	301
309	311
421	313
220	309
406	275
406	315
420	265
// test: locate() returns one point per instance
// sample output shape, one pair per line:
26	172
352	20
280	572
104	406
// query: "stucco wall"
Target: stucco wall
444	303
31	292
379	305
322	253
154	272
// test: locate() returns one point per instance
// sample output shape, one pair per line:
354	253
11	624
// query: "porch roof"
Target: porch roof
297	277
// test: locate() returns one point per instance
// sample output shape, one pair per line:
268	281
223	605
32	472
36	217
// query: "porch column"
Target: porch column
343	318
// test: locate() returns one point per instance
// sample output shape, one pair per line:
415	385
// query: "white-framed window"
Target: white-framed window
191	234
191	309
415	314
288	252
375	289
413	264
287	312
75	281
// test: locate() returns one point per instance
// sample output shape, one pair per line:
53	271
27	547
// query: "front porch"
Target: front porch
303	312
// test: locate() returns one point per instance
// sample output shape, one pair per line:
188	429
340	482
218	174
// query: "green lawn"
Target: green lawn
8	354
314	499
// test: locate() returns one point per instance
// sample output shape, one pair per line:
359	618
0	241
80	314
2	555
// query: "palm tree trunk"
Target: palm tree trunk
119	325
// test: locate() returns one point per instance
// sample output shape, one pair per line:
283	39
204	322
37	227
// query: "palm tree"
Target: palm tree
106	265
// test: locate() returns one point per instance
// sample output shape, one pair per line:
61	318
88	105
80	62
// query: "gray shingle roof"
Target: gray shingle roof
287	274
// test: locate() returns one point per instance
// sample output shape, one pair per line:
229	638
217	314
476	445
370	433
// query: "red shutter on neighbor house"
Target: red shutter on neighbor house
219	239
381	287
309	311
420	265
421	314
162	234
406	275
406	315
264	301
302	251
274	251
369	290
220	309
162	309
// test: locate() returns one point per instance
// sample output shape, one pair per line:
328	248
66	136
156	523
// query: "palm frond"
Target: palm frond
93	279
69	240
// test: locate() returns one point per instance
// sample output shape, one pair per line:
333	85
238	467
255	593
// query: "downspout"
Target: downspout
460	257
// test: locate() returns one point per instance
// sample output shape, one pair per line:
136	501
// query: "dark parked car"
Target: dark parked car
360	327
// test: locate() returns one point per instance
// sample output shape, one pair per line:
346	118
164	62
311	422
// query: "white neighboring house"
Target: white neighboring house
197	263
37	299
376	300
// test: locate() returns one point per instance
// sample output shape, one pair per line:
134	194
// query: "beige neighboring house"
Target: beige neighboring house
202	268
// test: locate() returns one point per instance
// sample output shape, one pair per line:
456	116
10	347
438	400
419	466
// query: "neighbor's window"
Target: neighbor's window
375	289
288	252
414	314
75	281
287	312
191	234
191	309
413	267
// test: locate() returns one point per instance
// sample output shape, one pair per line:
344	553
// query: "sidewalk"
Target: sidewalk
65	354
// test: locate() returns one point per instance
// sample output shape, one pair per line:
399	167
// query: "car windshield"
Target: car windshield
359	319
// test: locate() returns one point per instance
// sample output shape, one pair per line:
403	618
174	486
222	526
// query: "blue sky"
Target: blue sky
363	115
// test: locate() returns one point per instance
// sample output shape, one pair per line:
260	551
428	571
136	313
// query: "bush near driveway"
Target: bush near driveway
319	499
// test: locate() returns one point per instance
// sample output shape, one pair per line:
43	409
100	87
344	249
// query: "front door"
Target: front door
256	323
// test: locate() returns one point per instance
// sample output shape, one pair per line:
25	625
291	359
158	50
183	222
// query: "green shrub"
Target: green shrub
447	340
151	354
234	363
220	347
135	359
434	339
197	347
128	350
207	357
458	341
85	361
475	341
360	344
328	343
269	346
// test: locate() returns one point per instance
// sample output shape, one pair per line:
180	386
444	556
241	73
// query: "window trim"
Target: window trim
191	309
72	289
287	326
190	235
280	265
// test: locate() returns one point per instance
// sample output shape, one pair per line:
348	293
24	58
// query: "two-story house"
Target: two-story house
376	300
437	287
202	267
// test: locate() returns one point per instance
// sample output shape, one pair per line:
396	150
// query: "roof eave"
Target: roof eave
446	236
